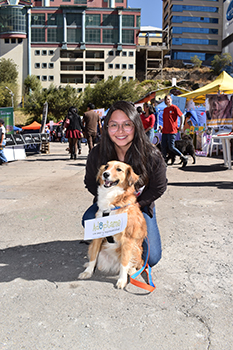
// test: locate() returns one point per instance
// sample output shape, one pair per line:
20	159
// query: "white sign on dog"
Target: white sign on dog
105	226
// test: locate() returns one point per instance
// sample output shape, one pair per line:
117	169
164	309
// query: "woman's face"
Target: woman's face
121	130
218	104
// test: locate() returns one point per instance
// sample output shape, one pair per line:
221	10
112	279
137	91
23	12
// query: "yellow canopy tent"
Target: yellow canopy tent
222	84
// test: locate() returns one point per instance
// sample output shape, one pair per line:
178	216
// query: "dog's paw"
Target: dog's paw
131	271
121	283
85	275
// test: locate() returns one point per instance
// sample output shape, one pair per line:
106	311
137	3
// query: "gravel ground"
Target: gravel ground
44	306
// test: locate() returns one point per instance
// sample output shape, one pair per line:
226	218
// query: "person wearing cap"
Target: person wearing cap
3	159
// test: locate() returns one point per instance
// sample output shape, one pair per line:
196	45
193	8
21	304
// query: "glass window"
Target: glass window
71	78
130	78
37	52
120	1
93	79
181	19
124	53
110	20
74	35
181	41
130	66
93	20
94	54
80	2
111	53
92	35
38	77
127	36
51	52
74	19
71	66
110	66
38	35
138	21
55	35
131	53
117	66
51	65
180	30
7	41
71	54
20	40
44	78
51	78
37	65
44	65
124	78
79	90
123	66
181	8
38	19
110	36
44	52
13	41
128	21
13	19
55	19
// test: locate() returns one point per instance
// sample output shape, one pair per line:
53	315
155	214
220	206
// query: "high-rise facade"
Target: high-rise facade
76	42
194	28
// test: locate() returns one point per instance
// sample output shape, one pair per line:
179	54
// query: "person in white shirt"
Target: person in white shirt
3	159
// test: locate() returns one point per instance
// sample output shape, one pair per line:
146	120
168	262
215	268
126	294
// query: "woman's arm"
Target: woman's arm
157	183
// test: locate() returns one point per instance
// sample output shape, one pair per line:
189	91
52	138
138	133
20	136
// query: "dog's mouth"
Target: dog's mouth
108	184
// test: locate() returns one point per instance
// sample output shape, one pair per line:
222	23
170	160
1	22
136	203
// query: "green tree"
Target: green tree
196	61
8	77
8	71
59	100
220	62
32	83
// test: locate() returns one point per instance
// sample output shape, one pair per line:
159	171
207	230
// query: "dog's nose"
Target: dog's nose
106	174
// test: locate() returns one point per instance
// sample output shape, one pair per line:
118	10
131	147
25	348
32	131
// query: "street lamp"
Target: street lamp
12	95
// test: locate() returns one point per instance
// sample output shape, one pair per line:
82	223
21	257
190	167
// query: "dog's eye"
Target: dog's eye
106	167
119	169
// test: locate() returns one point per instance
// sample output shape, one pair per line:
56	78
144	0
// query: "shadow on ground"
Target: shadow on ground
59	261
225	185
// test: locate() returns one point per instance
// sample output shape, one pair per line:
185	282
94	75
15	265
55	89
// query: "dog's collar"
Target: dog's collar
107	212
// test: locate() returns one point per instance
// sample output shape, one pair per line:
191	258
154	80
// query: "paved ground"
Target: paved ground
44	306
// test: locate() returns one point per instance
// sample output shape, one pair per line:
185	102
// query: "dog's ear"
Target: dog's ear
131	177
99	174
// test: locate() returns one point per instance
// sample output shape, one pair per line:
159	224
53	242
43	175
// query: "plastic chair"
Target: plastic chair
215	143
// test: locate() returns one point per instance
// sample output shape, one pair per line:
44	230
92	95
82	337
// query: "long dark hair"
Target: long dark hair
140	154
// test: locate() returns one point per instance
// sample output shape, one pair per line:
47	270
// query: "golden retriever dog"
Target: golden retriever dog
116	194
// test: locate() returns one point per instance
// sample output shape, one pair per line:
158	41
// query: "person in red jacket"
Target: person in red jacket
148	120
170	128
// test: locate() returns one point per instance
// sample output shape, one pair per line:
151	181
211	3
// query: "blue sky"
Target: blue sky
151	11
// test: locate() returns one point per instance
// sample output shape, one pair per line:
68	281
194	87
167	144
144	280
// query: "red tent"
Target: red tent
33	126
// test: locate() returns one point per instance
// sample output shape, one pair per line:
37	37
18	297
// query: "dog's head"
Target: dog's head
116	173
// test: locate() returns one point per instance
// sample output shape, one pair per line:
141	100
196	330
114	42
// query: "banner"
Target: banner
7	114
105	226
219	111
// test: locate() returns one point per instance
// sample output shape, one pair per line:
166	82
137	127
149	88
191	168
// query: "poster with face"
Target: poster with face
219	111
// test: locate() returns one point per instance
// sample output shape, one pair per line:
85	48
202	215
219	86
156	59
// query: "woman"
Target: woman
148	120
74	127
123	139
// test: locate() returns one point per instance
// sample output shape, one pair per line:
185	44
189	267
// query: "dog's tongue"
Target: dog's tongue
107	183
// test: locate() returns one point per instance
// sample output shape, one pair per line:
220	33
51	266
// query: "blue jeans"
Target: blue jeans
168	144
150	134
2	155
152	233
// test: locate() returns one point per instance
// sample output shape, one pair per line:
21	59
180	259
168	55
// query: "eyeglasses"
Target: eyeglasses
127	126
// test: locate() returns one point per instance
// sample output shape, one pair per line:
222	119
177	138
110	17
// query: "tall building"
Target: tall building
227	44
76	42
194	28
